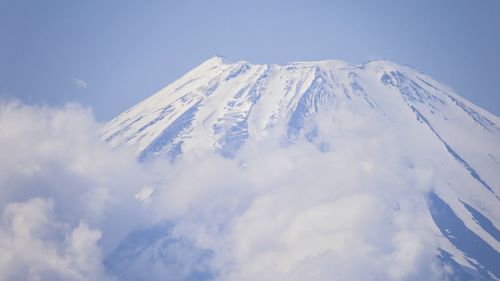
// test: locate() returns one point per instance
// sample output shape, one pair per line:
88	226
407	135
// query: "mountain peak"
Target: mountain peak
221	107
217	59
224	94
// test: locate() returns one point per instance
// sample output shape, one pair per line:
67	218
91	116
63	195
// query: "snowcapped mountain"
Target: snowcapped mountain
220	106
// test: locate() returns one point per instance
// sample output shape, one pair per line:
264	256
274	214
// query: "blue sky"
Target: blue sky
111	54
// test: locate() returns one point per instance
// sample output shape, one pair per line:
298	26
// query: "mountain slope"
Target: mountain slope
220	106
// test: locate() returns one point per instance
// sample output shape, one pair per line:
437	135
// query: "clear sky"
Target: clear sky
111	54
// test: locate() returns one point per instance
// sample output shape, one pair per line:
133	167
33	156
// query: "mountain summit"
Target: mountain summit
220	106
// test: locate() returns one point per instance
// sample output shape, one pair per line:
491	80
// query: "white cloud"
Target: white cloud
80	83
294	213
76	187
36	245
273	213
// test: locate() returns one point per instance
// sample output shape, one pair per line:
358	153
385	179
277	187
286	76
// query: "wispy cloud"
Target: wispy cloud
80	83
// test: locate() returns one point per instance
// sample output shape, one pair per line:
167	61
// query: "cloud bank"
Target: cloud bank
355	211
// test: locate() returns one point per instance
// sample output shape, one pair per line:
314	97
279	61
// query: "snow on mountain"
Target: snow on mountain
220	105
